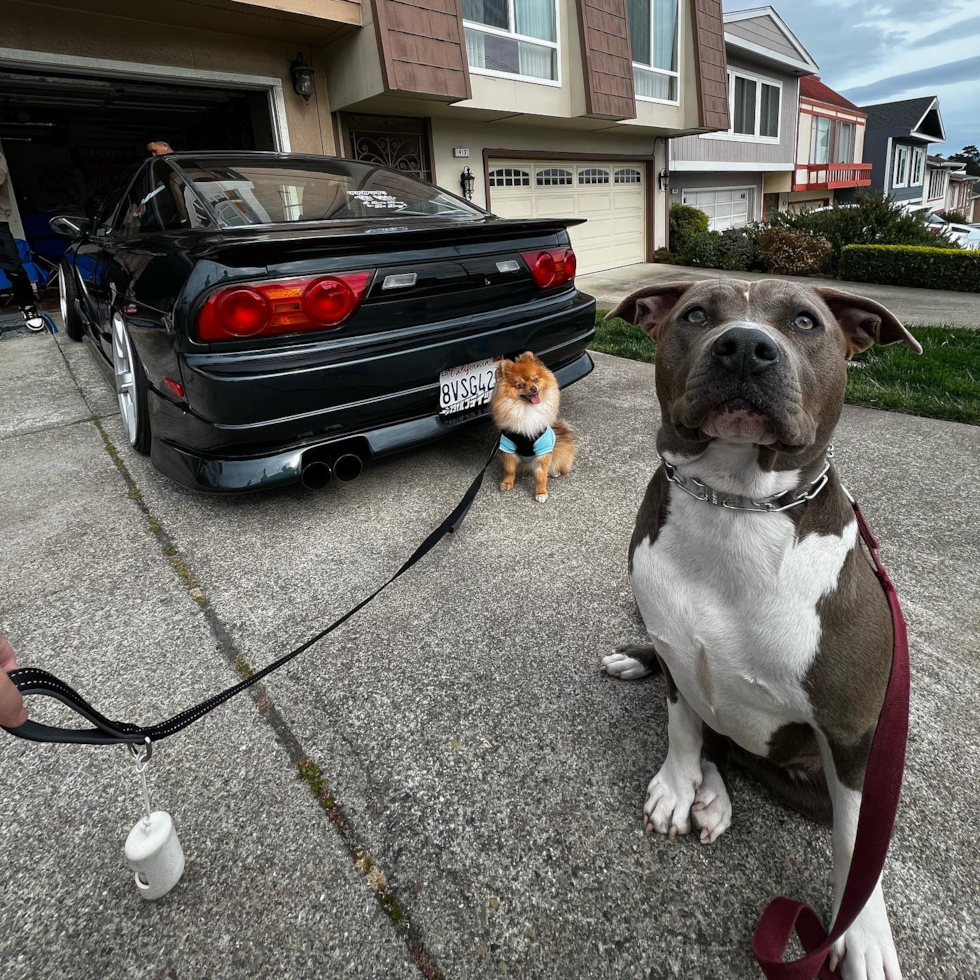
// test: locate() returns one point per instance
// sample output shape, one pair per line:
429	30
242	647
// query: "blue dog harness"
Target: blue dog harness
524	446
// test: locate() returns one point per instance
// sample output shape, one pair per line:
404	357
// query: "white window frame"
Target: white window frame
917	165
676	75
836	147
830	141
759	80
901	150
486	29
929	196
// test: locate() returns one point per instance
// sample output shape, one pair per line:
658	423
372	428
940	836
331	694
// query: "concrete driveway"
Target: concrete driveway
934	306
472	791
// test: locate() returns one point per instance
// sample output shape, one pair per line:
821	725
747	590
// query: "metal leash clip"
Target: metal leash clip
153	848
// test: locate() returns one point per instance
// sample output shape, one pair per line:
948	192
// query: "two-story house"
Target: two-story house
555	107
829	149
959	195
738	174
896	144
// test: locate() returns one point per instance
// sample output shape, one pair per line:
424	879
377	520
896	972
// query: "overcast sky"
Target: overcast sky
886	50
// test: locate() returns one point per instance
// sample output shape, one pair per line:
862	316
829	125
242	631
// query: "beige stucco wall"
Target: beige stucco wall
42	29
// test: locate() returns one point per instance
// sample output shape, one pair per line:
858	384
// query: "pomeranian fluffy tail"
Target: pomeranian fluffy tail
563	455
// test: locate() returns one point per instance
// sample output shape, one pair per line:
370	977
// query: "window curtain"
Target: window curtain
821	140
845	143
744	122
664	34
535	18
476	53
769	111
535	61
639	12
490	12
650	85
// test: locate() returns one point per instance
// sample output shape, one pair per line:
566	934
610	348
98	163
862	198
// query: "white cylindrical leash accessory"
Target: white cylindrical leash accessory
153	848
154	853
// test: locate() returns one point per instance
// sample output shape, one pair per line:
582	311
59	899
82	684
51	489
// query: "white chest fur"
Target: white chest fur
730	601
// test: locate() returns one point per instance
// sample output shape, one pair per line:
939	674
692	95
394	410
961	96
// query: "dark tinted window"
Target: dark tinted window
260	192
103	220
136	215
160	200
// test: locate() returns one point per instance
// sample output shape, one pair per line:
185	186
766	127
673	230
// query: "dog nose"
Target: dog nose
534	389
744	350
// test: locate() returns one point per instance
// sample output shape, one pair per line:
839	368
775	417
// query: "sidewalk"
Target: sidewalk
933	306
461	726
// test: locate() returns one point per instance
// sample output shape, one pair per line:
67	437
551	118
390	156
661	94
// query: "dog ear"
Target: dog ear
650	306
864	321
528	355
503	365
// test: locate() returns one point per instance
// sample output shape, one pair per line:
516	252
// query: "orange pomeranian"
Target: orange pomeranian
525	408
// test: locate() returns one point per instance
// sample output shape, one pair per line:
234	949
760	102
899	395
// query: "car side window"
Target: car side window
179	206
136	214
103	219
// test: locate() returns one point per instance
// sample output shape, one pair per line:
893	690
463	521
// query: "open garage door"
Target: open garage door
610	196
67	137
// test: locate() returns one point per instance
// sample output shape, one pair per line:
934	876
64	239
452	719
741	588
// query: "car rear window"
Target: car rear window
278	191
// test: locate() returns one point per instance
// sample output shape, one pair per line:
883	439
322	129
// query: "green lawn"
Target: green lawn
942	383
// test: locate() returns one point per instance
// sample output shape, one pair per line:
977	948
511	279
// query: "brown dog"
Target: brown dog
766	618
525	407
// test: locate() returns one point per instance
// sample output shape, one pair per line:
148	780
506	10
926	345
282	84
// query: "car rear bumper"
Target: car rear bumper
227	473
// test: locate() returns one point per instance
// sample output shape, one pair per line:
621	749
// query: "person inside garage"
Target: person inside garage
10	260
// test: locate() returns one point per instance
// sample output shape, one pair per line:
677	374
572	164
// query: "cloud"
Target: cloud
925	78
955	32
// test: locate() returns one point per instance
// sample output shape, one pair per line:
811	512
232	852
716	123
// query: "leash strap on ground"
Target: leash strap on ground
879	807
32	680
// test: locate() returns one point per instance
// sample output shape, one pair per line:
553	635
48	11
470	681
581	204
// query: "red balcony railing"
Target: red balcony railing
827	176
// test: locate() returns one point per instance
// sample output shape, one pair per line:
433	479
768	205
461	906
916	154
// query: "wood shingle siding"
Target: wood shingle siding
606	59
711	69
423	50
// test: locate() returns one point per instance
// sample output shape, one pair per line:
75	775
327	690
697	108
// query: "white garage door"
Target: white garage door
610	196
727	208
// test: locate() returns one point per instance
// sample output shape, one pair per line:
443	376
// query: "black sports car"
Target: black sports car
272	317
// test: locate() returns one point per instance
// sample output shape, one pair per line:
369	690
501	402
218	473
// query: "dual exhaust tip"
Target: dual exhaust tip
318	467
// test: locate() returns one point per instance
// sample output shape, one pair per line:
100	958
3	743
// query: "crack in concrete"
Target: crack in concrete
307	769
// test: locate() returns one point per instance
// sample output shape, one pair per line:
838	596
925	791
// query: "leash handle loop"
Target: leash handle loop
32	680
876	819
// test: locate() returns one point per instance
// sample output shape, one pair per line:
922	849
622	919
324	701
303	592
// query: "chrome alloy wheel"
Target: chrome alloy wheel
123	367
63	296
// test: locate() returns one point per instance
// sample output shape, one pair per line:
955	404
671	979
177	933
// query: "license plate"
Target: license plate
467	386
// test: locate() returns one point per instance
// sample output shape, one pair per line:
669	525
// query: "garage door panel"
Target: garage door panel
725	208
611	197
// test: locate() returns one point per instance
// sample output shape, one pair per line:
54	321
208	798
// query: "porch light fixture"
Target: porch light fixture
663	178
302	76
467	181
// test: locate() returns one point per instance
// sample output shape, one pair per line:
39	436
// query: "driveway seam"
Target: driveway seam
307	769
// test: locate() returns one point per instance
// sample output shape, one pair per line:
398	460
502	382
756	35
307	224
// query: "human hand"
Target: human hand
12	710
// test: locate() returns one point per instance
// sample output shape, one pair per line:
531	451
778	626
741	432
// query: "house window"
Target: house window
553	176
918	162
900	170
937	184
845	143
512	37
820	139
593	175
654	29
509	177
627	176
754	104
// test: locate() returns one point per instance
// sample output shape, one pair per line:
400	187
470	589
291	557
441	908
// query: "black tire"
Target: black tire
68	294
140	437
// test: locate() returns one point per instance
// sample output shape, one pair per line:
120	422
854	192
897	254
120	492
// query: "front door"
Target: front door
399	142
770	204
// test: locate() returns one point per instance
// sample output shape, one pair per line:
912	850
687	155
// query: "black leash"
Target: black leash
32	680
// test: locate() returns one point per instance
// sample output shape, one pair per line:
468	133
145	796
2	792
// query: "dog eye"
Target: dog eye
534	381
520	384
697	315
803	321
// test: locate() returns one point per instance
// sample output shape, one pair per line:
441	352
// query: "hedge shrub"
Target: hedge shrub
685	223
702	250
738	249
912	265
787	252
665	255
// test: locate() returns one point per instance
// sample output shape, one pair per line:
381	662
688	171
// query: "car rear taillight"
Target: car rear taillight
264	309
551	267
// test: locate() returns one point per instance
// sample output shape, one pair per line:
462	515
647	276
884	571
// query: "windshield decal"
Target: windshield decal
378	199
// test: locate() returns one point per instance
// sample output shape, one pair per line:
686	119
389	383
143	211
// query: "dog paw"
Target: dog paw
507	485
712	810
540	497
670	796
620	664
867	951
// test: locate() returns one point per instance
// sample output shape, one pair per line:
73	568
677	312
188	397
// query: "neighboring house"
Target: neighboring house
736	176
830	147
558	107
974	213
936	185
896	144
959	186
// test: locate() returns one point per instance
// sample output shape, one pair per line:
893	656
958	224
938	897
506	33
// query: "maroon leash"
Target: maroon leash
879	806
